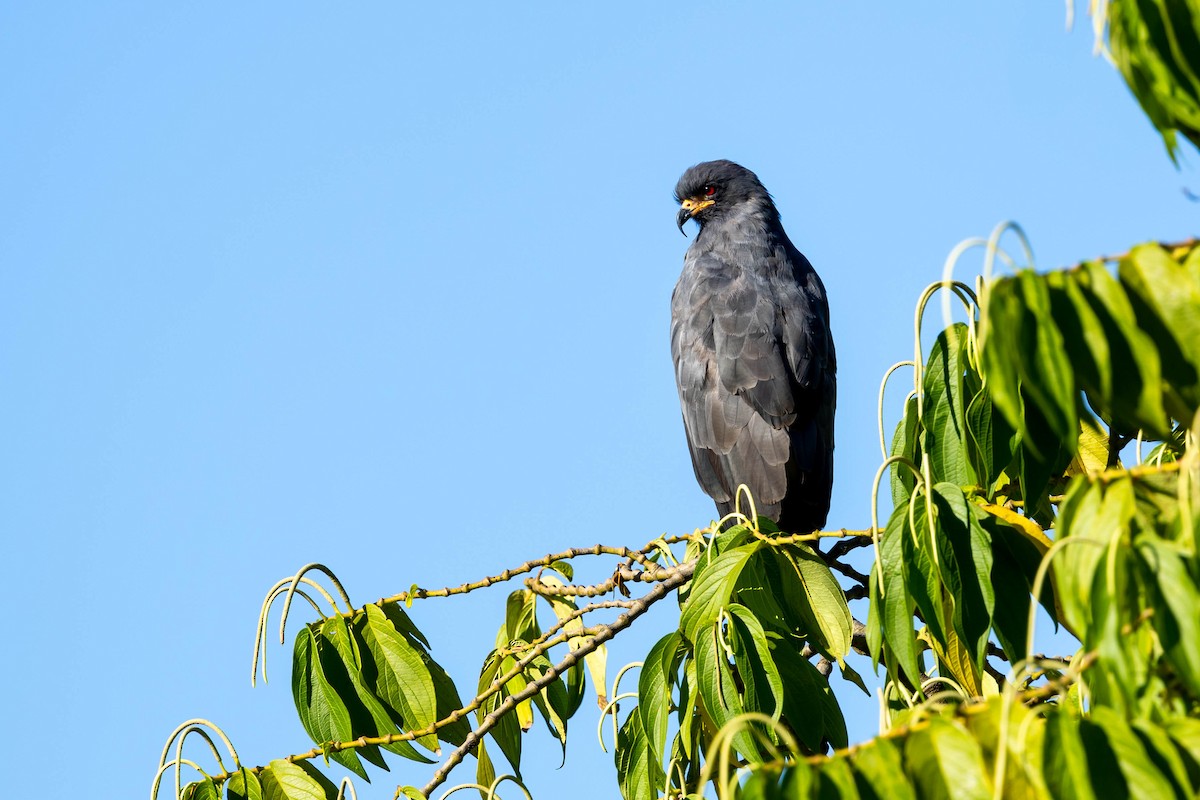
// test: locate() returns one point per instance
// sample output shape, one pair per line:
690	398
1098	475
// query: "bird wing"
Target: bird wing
733	379
754	366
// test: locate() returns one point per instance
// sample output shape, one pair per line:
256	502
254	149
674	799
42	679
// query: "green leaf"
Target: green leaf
638	775
322	710
1167	304
552	701
404	624
507	731
1145	782
1177	608
945	761
879	773
964	544
1039	467
990	441
763	688
798	780
285	780
520	619
1104	772
1083	334
836	781
200	790
1000	325
809	706
760	588
812	591
904	443
945	434
1155	59
402	681
1094	512
368	716
710	589
244	785
1163	755
1046	374
654	692
1186	735
718	689
898	604
923	578
1064	759
1136	399
1011	617
485	770
448	701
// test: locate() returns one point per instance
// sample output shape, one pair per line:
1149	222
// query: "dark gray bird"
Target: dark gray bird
754	358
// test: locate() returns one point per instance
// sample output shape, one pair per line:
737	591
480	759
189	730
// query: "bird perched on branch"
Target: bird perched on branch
754	357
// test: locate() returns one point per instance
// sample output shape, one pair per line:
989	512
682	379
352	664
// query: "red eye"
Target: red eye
710	190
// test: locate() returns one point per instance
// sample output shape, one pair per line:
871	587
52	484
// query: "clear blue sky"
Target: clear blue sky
386	286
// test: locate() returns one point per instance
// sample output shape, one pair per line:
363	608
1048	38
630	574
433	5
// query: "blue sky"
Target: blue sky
386	286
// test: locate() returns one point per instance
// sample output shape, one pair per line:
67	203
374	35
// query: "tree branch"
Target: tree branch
679	576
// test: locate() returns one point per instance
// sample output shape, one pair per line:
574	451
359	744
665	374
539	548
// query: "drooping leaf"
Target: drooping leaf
595	662
1046	374
719	690
809	707
520	618
1000	324
945	761
368	716
551	701
1176	608
448	701
244	785
1144	781
879	772
1164	757
1154	45
1092	511
965	546
1167	304
285	780
322	710
762	685
655	683
898	604
945	432
485	770
204	789
507	731
1136	398
904	443
1064	759
711	587
836	781
638	775
402	679
811	590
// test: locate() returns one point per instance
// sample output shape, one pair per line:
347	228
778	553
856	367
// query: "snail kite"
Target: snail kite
754	358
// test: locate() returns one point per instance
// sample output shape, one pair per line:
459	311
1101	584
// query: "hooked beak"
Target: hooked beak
690	208
683	216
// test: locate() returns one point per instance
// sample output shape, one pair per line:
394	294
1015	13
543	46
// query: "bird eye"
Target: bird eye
710	190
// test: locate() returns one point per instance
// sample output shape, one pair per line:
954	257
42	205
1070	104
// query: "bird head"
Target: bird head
713	189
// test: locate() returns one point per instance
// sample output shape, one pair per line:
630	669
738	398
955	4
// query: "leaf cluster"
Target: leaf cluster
1156	46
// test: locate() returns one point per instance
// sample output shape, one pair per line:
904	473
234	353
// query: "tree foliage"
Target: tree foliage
1046	458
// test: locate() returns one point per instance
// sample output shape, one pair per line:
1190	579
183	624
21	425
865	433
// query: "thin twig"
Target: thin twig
679	577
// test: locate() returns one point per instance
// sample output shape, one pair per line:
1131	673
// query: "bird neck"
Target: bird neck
757	217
